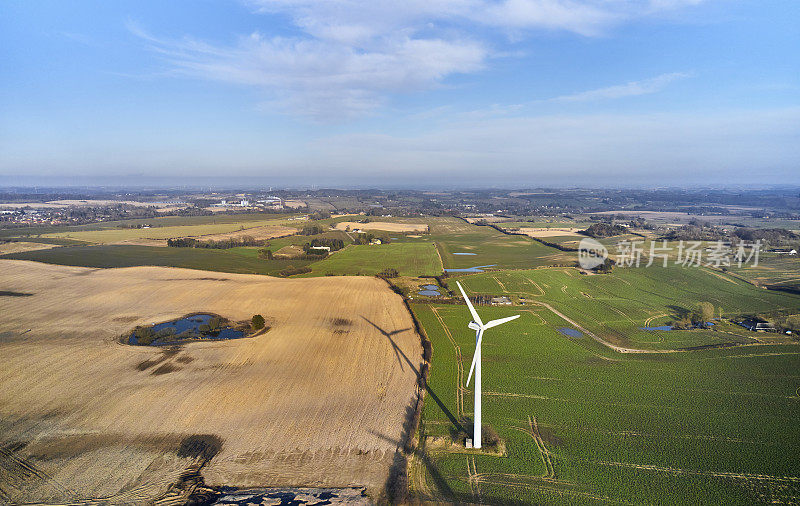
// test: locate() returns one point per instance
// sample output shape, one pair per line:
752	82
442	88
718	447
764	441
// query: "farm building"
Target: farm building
758	325
501	301
321	248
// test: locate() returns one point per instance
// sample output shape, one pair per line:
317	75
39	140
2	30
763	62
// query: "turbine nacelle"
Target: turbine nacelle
474	326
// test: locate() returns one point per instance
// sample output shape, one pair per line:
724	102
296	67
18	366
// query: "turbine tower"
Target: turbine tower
479	327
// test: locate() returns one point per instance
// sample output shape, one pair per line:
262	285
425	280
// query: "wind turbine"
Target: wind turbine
479	327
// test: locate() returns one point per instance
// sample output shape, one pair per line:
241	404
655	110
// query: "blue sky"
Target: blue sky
369	92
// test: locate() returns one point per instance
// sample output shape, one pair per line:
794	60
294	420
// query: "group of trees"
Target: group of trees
190	242
368	238
292	270
600	230
701	314
257	322
311	230
606	267
697	230
333	244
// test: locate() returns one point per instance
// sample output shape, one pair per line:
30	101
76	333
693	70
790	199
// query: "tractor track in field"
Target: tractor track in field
544	485
550	471
694	472
19	470
648	321
472	472
502	286
620	349
459	363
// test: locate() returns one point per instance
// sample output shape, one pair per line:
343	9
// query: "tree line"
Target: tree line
191	242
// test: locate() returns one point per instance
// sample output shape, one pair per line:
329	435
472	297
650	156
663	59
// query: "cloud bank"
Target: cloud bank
348	56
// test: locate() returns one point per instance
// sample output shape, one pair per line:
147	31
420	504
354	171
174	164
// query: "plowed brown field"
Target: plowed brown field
319	400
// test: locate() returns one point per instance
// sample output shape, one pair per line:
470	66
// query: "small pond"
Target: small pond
570	332
465	254
471	269
429	290
186	329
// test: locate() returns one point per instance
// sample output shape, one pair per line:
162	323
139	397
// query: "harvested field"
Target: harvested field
206	230
319	400
383	225
20	246
257	233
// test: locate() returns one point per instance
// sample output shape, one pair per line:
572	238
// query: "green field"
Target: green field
490	246
409	258
715	426
615	306
130	256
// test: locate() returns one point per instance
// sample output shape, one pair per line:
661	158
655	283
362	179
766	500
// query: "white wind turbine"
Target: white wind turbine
479	327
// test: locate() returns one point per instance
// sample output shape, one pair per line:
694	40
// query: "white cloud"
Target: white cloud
350	54
320	78
631	89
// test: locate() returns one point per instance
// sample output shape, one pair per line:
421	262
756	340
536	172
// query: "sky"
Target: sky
494	93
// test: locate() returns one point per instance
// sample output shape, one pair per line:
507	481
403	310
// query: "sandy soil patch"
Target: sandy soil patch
550	232
19	247
383	225
319	400
290	251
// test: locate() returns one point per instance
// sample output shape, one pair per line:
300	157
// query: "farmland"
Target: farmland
615	307
134	255
383	225
618	414
489	246
262	228
317	400
409	258
584	424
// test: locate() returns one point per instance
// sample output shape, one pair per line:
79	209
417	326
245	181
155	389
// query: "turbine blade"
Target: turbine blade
495	323
475	316
471	369
474	356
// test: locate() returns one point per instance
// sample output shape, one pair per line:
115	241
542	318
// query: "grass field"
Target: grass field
319	400
131	256
409	258
585	425
489	246
615	306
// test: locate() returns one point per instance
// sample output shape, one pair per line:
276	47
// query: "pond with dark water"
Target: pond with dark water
574	333
187	328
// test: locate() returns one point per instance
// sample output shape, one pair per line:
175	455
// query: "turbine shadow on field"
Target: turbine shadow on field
438	479
399	352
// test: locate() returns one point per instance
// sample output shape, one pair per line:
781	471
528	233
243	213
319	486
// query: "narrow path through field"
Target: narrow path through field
472	472
599	339
459	363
